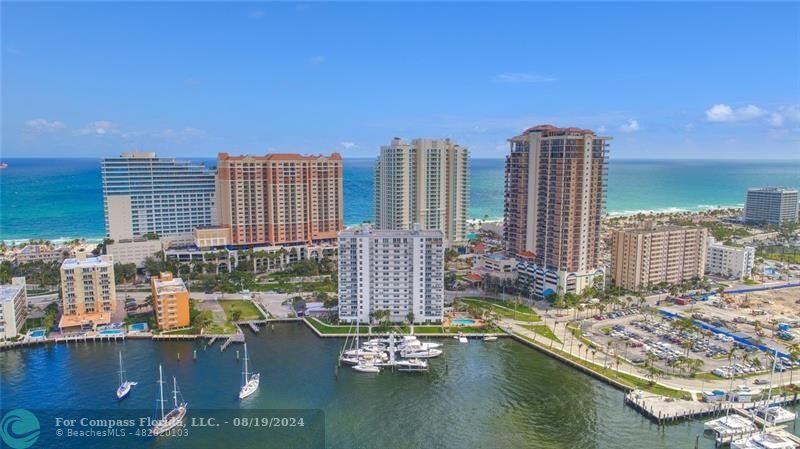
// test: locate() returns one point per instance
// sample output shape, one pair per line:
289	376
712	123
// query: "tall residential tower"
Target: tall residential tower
401	271
426	182
771	205
280	198
554	203
143	194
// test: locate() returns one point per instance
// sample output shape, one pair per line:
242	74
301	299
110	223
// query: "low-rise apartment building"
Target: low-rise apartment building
13	308
170	301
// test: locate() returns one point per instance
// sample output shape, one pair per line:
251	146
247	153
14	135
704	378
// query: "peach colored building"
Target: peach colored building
170	301
280	199
88	291
650	255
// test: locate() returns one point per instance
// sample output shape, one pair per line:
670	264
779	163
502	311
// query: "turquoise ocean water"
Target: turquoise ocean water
61	198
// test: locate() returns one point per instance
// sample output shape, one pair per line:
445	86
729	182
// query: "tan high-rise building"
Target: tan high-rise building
426	182
554	203
280	198
88	291
647	256
170	301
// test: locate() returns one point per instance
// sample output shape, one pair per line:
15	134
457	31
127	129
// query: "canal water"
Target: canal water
484	395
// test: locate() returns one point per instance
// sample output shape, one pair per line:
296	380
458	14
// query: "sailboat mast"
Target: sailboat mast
175	391
120	368
161	389
245	363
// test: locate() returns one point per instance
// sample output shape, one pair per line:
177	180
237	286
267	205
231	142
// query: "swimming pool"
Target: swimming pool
137	327
111	332
463	322
37	333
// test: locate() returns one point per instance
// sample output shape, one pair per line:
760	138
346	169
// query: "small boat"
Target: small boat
3	165
367	368
775	414
729	427
463	339
251	381
490	338
124	385
421	354
763	440
411	365
175	417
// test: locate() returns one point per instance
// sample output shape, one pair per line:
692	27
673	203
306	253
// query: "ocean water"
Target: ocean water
62	198
478	395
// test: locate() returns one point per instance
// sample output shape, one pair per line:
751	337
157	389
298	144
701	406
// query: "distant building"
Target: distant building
401	271
771	205
280	199
497	265
133	251
729	261
143	194
88	291
650	255
45	253
555	185
170	301
426	182
13	308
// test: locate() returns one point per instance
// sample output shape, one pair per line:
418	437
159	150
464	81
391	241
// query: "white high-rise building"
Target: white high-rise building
143	193
771	205
729	261
426	182
13	308
401	271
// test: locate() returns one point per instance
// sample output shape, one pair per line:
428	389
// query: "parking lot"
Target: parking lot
641	337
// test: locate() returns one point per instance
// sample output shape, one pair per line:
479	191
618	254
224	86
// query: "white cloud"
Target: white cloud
524	78
600	129
183	133
348	145
316	60
44	126
99	128
257	14
775	119
631	126
722	113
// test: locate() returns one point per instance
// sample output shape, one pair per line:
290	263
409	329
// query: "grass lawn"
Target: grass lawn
623	378
247	309
331	329
503	308
750	282
188	331
544	331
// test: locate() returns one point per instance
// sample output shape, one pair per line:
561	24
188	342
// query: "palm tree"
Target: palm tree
794	353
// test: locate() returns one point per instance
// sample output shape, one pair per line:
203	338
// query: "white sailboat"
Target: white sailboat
367	367
175	417
251	381
774	414
124	384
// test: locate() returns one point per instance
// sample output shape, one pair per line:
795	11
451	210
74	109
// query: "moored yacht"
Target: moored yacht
175	416
124	384
764	440
251	381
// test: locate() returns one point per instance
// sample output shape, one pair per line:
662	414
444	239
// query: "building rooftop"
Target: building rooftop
166	286
367	230
10	291
651	228
281	157
773	189
83	260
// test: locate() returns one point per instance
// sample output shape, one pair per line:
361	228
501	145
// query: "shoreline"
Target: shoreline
472	221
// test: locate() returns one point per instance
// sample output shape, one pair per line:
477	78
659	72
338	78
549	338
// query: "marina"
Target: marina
507	393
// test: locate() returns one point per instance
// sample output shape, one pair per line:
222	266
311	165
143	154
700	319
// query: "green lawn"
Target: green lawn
328	329
331	329
623	378
503	308
247	309
543	330
750	282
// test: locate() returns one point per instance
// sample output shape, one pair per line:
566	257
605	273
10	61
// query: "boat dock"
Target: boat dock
253	324
662	410
235	338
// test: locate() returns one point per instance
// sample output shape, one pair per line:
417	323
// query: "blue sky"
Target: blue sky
666	80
